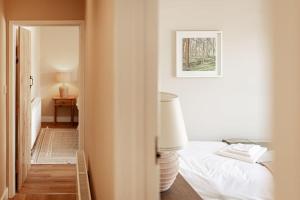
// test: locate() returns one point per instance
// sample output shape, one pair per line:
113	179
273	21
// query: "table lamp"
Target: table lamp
63	77
173	137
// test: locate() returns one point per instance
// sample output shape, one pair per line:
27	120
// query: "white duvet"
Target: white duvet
215	177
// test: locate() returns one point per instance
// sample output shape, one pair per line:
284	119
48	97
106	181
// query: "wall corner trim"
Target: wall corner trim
4	195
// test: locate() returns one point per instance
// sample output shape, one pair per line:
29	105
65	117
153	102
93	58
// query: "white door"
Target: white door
23	105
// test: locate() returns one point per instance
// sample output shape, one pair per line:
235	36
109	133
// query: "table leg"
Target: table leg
72	115
55	114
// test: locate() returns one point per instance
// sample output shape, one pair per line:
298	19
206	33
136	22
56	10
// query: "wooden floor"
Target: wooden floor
45	197
59	125
180	190
49	182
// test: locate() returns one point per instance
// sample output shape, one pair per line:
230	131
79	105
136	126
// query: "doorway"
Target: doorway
55	77
54	94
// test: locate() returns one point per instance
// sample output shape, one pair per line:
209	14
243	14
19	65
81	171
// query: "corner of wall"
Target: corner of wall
3	167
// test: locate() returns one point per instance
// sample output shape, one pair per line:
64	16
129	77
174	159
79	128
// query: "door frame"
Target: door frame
12	89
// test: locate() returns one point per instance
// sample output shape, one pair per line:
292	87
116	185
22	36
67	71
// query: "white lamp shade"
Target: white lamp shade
172	128
63	77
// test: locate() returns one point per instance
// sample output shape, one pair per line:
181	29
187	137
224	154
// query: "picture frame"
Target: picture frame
199	54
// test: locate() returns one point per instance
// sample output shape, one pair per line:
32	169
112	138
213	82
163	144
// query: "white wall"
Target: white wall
36	88
237	105
35	61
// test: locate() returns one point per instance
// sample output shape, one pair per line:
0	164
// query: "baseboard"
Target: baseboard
59	119
37	137
4	195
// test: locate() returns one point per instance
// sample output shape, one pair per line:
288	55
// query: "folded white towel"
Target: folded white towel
244	149
227	152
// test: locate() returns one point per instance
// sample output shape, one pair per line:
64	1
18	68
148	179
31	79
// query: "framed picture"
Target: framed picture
198	53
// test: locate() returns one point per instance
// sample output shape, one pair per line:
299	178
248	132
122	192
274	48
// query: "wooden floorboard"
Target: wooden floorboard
47	182
45	197
59	125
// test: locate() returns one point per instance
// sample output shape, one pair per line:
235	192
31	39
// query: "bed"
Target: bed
215	177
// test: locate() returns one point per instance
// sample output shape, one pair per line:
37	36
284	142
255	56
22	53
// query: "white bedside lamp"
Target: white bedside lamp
173	137
63	77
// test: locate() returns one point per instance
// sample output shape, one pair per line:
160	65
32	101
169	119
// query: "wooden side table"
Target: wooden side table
69	101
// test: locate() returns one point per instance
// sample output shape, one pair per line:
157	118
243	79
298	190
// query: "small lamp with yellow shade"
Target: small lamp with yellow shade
63	77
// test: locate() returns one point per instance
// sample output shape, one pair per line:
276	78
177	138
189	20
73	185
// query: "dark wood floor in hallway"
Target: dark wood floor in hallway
59	125
49	182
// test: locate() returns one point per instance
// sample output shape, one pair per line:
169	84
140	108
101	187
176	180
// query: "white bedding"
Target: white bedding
215	177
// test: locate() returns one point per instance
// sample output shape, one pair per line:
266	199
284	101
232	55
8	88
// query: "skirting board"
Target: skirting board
59	119
5	195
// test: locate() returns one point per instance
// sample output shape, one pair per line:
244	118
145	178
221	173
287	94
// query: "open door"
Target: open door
23	102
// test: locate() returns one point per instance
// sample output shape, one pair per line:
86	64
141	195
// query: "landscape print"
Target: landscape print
199	54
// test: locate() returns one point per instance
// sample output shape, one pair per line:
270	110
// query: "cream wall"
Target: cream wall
99	98
287	98
237	105
121	122
45	9
2	102
59	51
121	99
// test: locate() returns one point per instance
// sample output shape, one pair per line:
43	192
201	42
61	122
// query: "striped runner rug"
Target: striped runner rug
56	146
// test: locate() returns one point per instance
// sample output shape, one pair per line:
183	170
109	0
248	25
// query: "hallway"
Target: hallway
49	182
117	75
